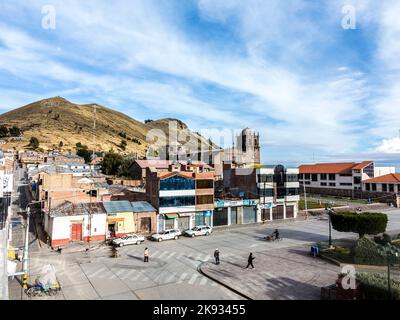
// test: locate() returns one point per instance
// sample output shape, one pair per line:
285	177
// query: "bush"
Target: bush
366	252
365	223
34	143
383	240
375	286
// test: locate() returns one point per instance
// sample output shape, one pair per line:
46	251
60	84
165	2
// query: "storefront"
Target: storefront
220	217
203	218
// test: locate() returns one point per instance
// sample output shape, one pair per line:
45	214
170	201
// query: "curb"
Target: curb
199	269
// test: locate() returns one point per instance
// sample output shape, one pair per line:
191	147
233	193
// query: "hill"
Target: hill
56	120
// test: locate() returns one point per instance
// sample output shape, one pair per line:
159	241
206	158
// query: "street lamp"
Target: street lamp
329	211
391	253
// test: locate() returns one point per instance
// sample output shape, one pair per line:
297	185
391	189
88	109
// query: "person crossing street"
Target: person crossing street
146	255
216	256
250	261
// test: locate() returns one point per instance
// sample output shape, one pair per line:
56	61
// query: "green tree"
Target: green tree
15	131
3	131
34	143
123	144
370	223
111	163
123	170
84	152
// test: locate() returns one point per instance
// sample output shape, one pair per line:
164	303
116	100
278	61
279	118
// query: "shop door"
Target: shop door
169	224
277	213
145	225
76	232
184	223
290	212
220	217
233	215
249	215
265	214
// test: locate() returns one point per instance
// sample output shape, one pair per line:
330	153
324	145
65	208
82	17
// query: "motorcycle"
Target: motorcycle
272	238
40	290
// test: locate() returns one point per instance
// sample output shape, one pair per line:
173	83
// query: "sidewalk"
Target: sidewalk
281	274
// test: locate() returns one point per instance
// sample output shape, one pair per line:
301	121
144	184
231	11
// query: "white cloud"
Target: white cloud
389	146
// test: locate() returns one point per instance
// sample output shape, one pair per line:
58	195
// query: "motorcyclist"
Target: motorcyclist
275	234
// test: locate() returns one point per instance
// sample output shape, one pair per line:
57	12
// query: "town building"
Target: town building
183	196
120	218
139	167
386	183
324	178
256	195
145	216
74	222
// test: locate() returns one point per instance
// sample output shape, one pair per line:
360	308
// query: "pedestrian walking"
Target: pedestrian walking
216	256
250	261
146	255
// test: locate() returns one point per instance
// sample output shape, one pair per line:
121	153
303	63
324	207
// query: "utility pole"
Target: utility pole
305	200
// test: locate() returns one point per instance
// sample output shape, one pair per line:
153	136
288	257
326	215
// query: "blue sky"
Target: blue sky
314	91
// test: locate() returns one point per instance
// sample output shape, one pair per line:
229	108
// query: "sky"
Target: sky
313	88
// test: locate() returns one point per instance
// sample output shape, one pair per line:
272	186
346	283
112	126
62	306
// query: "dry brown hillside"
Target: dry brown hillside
56	120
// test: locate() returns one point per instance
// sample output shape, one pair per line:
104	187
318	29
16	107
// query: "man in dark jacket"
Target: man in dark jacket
216	256
250	261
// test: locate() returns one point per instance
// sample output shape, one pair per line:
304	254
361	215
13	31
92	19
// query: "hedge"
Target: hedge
366	252
375	286
364	223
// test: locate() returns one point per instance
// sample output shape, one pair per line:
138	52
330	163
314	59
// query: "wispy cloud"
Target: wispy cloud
285	68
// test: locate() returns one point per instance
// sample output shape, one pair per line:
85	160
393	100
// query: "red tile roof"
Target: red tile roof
389	178
339	168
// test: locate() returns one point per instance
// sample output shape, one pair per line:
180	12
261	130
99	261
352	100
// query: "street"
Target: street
172	272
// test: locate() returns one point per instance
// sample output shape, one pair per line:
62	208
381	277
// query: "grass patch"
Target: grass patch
341	254
313	205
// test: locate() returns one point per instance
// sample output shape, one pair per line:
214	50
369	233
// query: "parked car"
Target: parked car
199	231
129	239
167	235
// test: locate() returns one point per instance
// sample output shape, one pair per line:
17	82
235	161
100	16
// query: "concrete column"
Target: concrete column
284	211
229	216
259	213
240	215
270	214
398	201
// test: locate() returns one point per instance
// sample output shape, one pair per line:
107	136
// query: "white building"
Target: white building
278	189
347	175
387	183
71	222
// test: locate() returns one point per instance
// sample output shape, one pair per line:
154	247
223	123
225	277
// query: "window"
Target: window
292	178
177	183
323	184
332	176
177	201
373	187
292	191
324	176
368	187
314	177
265	178
301	176
391	187
384	187
307	176
345	184
208	199
357	180
307	182
266	192
204	184
332	184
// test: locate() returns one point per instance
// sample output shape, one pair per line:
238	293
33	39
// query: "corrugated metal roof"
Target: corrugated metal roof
142	206
117	206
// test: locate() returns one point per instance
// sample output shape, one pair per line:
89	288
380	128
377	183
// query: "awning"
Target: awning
171	216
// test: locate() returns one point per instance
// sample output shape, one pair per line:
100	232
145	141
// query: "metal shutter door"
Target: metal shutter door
249	215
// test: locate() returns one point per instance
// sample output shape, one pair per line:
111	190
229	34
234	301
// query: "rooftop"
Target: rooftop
77	209
389	178
339	168
117	206
142	206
